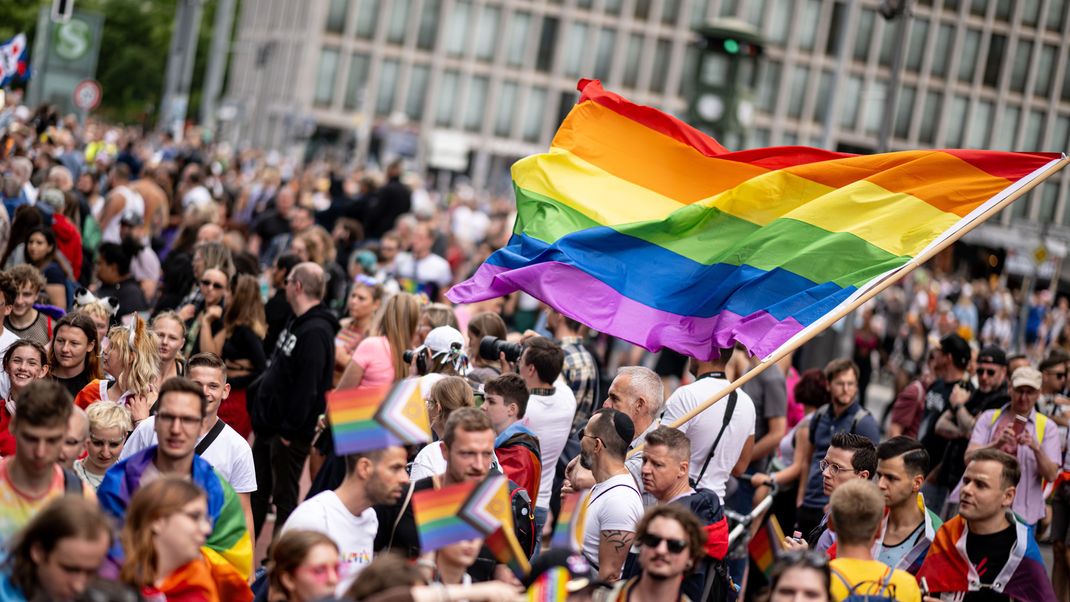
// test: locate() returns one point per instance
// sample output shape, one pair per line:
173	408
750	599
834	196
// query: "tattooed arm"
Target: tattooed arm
613	548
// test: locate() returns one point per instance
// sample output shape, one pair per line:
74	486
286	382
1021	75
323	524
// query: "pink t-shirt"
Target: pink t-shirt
373	354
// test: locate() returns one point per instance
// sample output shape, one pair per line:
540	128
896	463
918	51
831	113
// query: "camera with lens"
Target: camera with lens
420	353
490	347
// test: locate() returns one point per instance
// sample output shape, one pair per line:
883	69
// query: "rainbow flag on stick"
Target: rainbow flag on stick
766	545
568	530
373	418
489	511
642	227
551	586
437	515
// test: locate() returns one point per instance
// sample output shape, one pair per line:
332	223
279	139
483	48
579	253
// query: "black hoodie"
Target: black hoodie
288	399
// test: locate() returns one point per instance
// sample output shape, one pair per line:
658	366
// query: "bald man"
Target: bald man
291	395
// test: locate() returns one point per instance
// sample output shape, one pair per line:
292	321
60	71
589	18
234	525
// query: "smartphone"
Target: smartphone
1019	424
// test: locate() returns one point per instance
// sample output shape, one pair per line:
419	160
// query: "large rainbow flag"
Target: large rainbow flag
642	227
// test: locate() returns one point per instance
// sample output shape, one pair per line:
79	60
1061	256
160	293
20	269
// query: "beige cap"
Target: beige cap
1026	376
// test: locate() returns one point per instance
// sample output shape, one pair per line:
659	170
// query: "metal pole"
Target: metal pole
180	66
842	55
902	34
217	62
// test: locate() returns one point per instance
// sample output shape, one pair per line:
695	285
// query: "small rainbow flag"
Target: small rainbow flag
766	545
551	586
437	515
568	531
365	419
404	413
489	511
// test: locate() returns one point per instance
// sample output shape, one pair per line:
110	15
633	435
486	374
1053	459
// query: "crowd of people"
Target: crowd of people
175	315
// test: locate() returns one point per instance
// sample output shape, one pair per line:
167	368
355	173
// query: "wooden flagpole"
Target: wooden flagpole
835	316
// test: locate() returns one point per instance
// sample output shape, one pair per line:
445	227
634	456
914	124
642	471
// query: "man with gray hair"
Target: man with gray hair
637	392
287	400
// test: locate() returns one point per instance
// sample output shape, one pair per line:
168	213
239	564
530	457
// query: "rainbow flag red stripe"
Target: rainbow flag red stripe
568	530
642	227
766	545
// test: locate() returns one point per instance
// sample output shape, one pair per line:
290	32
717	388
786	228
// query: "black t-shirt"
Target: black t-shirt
936	401
75	383
989	553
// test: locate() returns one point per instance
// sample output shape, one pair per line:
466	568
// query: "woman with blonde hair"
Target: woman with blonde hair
131	355
100	313
364	301
449	393
303	567
109	424
166	525
238	338
171	332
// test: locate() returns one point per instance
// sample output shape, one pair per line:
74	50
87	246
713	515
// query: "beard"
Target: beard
586	460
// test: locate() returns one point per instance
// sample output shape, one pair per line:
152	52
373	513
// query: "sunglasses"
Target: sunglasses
217	286
652	541
986	372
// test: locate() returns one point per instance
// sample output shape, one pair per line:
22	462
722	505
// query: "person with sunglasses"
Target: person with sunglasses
1053	400
215	287
671	542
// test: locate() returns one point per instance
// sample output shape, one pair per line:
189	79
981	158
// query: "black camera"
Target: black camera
491	347
421	358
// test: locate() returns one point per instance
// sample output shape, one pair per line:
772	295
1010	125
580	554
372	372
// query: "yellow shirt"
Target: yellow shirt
871	574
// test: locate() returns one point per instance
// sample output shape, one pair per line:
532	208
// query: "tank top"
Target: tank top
134	208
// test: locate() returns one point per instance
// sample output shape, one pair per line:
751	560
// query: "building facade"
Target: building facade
489	80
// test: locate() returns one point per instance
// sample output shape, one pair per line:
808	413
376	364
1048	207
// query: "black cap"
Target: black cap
581	573
957	348
992	355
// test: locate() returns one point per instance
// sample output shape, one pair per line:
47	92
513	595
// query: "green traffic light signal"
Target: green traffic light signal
731	46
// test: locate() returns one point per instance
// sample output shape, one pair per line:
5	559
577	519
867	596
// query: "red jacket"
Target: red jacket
519	457
7	438
68	241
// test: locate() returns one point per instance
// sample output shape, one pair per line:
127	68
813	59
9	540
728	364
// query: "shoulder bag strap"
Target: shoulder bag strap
209	438
732	397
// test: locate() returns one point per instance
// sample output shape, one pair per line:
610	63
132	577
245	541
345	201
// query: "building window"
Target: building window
325	76
808	24
903	111
980	125
994	65
968	58
942	53
691	53
919	34
631	63
457	29
729	8
776	30
367	18
852	95
799	76
662	52
769	88
1045	66
824	90
1034	131
1060	134
534	112
447	98
1056	15
1030	12
544	59
336	16
839	13
603	58
670	12
388	83
417	95
487	33
1048	197
642	9
956	121
503	120
425	38
575	54
399	21
930	117
516	42
613	6
1022	57
874	107
477	97
357	82
978	7
1008	129
1004	8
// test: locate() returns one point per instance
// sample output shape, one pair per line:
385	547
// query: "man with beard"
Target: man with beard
346	514
671	542
614	505
956	423
468	444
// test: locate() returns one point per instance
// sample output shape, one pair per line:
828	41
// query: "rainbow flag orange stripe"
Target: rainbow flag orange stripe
766	545
437	516
352	415
568	530
644	228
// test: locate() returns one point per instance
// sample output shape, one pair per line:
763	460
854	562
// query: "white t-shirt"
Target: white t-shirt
355	535
613	505
431	461
230	454
703	429
432	268
550	418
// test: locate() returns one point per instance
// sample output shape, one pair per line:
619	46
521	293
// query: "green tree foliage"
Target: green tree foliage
133	52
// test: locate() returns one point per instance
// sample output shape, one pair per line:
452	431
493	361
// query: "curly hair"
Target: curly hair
138	352
696	534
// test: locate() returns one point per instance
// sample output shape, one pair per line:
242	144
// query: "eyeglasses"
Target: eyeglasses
986	371
675	546
217	286
187	421
598	439
833	468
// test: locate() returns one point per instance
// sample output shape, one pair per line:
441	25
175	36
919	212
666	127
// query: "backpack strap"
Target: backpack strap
859	415
401	513
72	485
815	419
732	397
209	438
